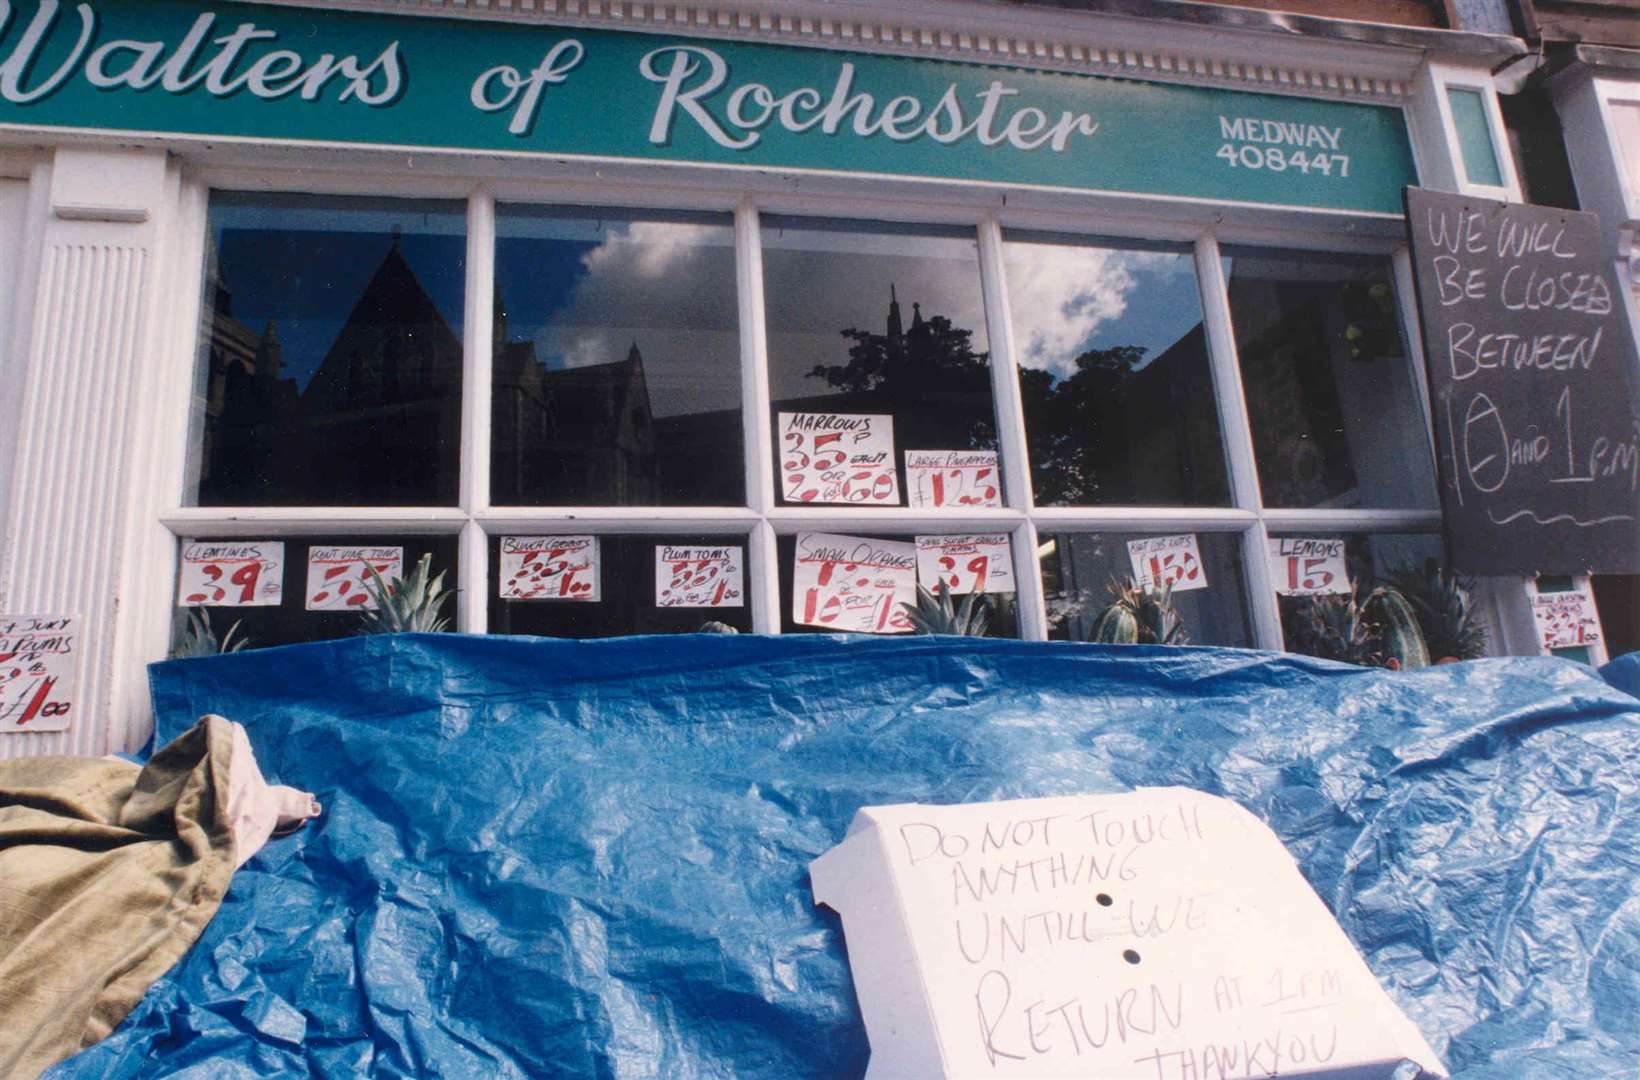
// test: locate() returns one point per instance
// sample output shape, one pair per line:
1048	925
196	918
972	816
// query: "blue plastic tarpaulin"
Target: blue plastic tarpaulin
545	858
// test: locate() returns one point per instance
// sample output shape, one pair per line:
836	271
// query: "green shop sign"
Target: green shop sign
272	73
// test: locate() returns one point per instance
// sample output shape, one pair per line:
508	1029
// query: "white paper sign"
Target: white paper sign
852	583
550	568
1160	561
1162	934
337	576
38	658
708	577
838	458
938	478
976	563
1308	566
244	574
1566	619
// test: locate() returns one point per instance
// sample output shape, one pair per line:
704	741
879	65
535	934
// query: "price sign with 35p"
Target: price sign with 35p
1308	566
38	654
1161	561
232	575
550	568
937	478
338	577
838	458
707	577
966	564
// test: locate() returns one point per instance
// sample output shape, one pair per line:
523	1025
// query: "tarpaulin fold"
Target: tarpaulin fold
589	858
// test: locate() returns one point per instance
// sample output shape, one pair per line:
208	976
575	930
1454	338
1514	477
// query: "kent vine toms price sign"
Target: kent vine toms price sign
268	73
1531	374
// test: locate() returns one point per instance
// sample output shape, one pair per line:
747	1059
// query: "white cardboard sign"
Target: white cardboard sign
838	458
338	575
702	577
1309	566
1566	619
1162	934
550	568
236	574
38	659
853	583
980	563
940	478
1159	561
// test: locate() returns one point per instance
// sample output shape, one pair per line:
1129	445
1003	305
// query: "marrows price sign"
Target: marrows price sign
1531	372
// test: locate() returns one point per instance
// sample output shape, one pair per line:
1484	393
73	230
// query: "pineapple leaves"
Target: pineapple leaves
200	639
410	605
933	614
1139	616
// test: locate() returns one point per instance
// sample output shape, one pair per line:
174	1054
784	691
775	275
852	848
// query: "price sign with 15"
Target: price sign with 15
1309	566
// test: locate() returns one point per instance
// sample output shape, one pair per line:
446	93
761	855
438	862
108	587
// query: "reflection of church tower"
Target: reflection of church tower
250	413
895	333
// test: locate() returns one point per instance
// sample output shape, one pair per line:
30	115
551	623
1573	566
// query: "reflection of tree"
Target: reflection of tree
1074	427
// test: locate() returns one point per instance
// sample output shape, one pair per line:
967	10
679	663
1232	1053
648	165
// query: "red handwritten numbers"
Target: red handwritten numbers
960	478
1308	566
838	458
1163	561
982	564
337	576
550	568
707	577
38	654
1566	619
853	583
232	574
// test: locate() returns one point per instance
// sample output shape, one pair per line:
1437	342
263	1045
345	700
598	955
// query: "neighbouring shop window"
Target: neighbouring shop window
877	349
1084	573
331	352
617	360
591	586
1336	419
1114	375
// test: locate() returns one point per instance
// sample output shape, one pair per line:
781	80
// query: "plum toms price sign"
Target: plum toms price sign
838	458
853	583
982	564
272	72
38	654
1167	561
550	568
232	575
940	478
699	577
338	577
1305	566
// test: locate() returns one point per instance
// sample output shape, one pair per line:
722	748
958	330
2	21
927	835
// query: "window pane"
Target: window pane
869	319
617	360
331	370
626	592
1078	569
289	622
1336	421
1002	613
1118	393
1370	560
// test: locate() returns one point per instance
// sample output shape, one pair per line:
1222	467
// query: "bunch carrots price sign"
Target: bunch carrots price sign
1531	374
838	458
965	564
232	575
854	583
550	568
338	577
704	577
37	662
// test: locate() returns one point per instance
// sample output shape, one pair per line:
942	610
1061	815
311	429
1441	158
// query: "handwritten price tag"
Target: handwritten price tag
982	564
1160	561
337	576
38	654
838	458
232	575
1566	619
699	577
851	583
1308	566
936	478
550	568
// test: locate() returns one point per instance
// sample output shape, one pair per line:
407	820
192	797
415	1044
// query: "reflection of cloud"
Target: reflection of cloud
1061	297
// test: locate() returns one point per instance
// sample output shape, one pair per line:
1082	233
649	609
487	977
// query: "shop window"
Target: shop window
1326	613
1084	573
1336	419
877	347
1118	398
330	353
607	585
617	360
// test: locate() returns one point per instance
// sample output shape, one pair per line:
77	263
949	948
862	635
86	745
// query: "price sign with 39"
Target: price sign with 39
37	664
966	564
232	574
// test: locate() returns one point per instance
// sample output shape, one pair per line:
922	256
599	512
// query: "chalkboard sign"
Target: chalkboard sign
1531	373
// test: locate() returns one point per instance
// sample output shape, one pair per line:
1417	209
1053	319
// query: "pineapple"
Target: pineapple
199	639
408	606
1445	612
937	615
1139	616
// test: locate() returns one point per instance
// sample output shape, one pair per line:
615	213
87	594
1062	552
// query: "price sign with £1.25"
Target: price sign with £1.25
249	574
37	661
550	568
338	577
1167	561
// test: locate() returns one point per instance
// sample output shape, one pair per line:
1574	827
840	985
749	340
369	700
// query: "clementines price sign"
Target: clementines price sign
550	568
838	458
940	478
232	575
1167	561
338	577
966	564
38	654
1308	566
708	577
853	583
